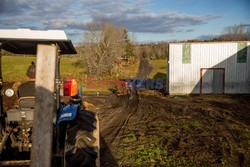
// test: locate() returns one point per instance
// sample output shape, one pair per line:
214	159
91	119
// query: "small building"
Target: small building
209	68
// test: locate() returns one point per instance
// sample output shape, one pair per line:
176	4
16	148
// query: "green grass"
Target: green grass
159	69
246	136
14	69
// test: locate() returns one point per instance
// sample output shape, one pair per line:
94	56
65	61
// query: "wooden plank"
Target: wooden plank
96	134
21	163
44	106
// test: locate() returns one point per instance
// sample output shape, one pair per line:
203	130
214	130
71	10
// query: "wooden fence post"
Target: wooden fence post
41	150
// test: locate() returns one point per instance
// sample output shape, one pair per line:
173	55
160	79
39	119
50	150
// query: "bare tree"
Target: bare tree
236	32
103	45
154	50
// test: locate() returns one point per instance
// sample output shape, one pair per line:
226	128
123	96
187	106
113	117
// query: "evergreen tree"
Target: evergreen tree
129	48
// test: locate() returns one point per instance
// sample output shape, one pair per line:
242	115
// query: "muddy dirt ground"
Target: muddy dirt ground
207	130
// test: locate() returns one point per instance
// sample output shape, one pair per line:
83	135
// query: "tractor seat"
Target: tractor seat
26	102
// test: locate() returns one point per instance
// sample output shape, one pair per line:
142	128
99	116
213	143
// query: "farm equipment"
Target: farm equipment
74	130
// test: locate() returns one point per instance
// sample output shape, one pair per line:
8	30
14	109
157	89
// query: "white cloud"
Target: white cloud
75	15
65	24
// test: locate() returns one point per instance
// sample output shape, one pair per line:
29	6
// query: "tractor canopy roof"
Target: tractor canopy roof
25	41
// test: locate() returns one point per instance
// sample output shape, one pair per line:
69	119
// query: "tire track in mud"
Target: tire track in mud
208	129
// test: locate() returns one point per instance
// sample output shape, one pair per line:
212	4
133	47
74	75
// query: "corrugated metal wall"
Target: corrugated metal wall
184	76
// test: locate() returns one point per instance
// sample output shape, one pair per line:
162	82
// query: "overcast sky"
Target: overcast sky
150	20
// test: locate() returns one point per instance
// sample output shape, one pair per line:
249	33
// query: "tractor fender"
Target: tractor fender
68	113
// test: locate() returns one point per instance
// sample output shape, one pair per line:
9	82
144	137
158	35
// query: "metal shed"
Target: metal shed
209	68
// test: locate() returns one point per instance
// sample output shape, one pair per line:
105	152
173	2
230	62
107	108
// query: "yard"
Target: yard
204	130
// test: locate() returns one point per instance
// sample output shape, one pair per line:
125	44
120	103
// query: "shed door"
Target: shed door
212	81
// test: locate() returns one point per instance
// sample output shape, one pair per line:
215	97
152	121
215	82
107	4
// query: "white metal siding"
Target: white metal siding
185	78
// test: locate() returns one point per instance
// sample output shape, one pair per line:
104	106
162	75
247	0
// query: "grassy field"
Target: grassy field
14	69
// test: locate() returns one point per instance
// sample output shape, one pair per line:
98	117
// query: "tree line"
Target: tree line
235	33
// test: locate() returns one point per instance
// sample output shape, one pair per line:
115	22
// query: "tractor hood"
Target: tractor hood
25	41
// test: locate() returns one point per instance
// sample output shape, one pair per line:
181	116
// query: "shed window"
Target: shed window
186	53
242	52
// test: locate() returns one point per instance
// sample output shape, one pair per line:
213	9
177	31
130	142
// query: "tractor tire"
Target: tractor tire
80	145
1	131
